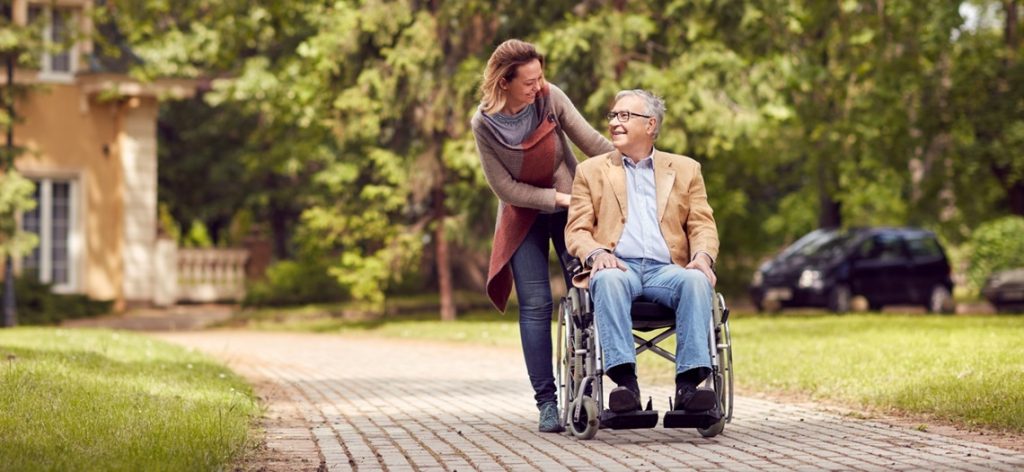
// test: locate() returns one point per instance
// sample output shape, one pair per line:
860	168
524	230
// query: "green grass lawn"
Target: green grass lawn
966	369
101	400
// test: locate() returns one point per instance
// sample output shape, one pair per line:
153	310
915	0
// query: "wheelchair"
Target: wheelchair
580	367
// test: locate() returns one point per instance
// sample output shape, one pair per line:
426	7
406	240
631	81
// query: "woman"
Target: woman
522	130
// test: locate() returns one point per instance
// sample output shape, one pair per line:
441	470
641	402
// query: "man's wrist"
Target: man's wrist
589	261
711	260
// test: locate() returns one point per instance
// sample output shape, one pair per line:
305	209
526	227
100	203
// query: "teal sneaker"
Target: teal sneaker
549	420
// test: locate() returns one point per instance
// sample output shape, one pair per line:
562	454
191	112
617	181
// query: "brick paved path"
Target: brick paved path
350	403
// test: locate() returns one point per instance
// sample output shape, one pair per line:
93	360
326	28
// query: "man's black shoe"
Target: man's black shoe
623	400
695	399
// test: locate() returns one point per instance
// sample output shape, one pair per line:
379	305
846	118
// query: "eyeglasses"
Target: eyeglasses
624	116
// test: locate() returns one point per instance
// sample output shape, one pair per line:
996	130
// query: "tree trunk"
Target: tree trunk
829	211
10	308
1015	195
1012	184
444	268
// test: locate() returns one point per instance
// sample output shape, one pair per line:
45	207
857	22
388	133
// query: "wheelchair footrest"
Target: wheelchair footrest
692	419
640	419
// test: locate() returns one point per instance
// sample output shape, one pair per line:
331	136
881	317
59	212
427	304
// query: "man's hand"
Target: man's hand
703	263
606	260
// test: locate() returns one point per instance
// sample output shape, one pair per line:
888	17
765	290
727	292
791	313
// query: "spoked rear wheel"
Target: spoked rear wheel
723	381
564	380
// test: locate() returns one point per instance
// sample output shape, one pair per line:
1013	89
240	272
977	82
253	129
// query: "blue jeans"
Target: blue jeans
533	288
688	291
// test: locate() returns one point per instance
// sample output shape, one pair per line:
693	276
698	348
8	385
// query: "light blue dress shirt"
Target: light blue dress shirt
641	237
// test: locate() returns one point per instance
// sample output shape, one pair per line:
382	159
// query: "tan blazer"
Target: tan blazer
597	214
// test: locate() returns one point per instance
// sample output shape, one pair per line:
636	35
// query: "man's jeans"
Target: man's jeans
687	290
533	289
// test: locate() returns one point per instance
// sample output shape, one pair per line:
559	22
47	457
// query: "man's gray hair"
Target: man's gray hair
655	105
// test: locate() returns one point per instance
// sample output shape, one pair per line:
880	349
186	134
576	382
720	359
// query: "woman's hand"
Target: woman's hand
562	199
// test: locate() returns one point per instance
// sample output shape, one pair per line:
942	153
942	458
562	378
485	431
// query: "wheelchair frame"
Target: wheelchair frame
580	364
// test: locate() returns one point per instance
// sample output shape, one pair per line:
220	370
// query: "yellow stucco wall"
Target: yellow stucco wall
66	134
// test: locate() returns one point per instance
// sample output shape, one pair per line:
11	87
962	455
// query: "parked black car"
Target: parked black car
829	267
1005	290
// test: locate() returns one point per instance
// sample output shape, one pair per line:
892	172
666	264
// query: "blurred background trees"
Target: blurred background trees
341	128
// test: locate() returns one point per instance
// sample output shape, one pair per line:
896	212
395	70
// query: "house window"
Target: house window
58	61
53	221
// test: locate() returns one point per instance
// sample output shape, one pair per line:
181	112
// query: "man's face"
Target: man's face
636	133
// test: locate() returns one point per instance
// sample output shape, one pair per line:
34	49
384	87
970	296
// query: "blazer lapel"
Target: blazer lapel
616	175
664	177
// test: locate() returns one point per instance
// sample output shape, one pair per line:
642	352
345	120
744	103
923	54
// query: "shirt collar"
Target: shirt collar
645	162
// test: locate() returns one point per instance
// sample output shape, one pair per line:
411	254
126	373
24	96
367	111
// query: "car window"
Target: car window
923	247
867	249
808	242
890	248
827	245
881	248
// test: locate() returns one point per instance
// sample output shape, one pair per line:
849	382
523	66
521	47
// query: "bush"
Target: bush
197	236
996	245
38	305
295	283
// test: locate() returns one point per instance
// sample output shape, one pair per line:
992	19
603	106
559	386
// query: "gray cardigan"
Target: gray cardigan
502	162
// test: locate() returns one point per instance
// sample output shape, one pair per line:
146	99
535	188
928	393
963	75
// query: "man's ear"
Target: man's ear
651	124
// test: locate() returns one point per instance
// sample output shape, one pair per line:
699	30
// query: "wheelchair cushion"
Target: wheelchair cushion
648	315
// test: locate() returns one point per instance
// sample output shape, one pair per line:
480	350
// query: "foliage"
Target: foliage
343	124
239	229
168	226
294	283
15	198
79	399
37	304
996	245
197	236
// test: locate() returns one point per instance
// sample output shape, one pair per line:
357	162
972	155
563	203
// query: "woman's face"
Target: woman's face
523	88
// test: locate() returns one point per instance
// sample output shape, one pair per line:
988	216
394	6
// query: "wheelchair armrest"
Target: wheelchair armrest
572	265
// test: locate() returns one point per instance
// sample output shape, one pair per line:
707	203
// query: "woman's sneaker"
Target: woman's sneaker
549	420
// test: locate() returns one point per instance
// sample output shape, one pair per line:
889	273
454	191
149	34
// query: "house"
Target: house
89	131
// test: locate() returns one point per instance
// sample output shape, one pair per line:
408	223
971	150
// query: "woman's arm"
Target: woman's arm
580	132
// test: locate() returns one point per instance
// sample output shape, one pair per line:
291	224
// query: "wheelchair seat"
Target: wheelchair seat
648	315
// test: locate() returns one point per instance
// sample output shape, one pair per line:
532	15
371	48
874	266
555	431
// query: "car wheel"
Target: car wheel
839	299
940	300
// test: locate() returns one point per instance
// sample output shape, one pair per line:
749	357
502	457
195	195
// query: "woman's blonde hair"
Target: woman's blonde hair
504	61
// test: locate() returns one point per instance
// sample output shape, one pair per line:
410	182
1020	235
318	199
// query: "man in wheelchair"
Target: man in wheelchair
640	220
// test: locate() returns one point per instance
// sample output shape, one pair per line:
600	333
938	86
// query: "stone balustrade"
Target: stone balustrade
200	275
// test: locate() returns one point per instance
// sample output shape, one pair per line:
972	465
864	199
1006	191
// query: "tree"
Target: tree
344	124
18	46
987	119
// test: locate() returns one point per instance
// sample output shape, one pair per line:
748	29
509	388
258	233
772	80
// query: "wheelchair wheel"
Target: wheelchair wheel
564	378
588	422
722	370
726	354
